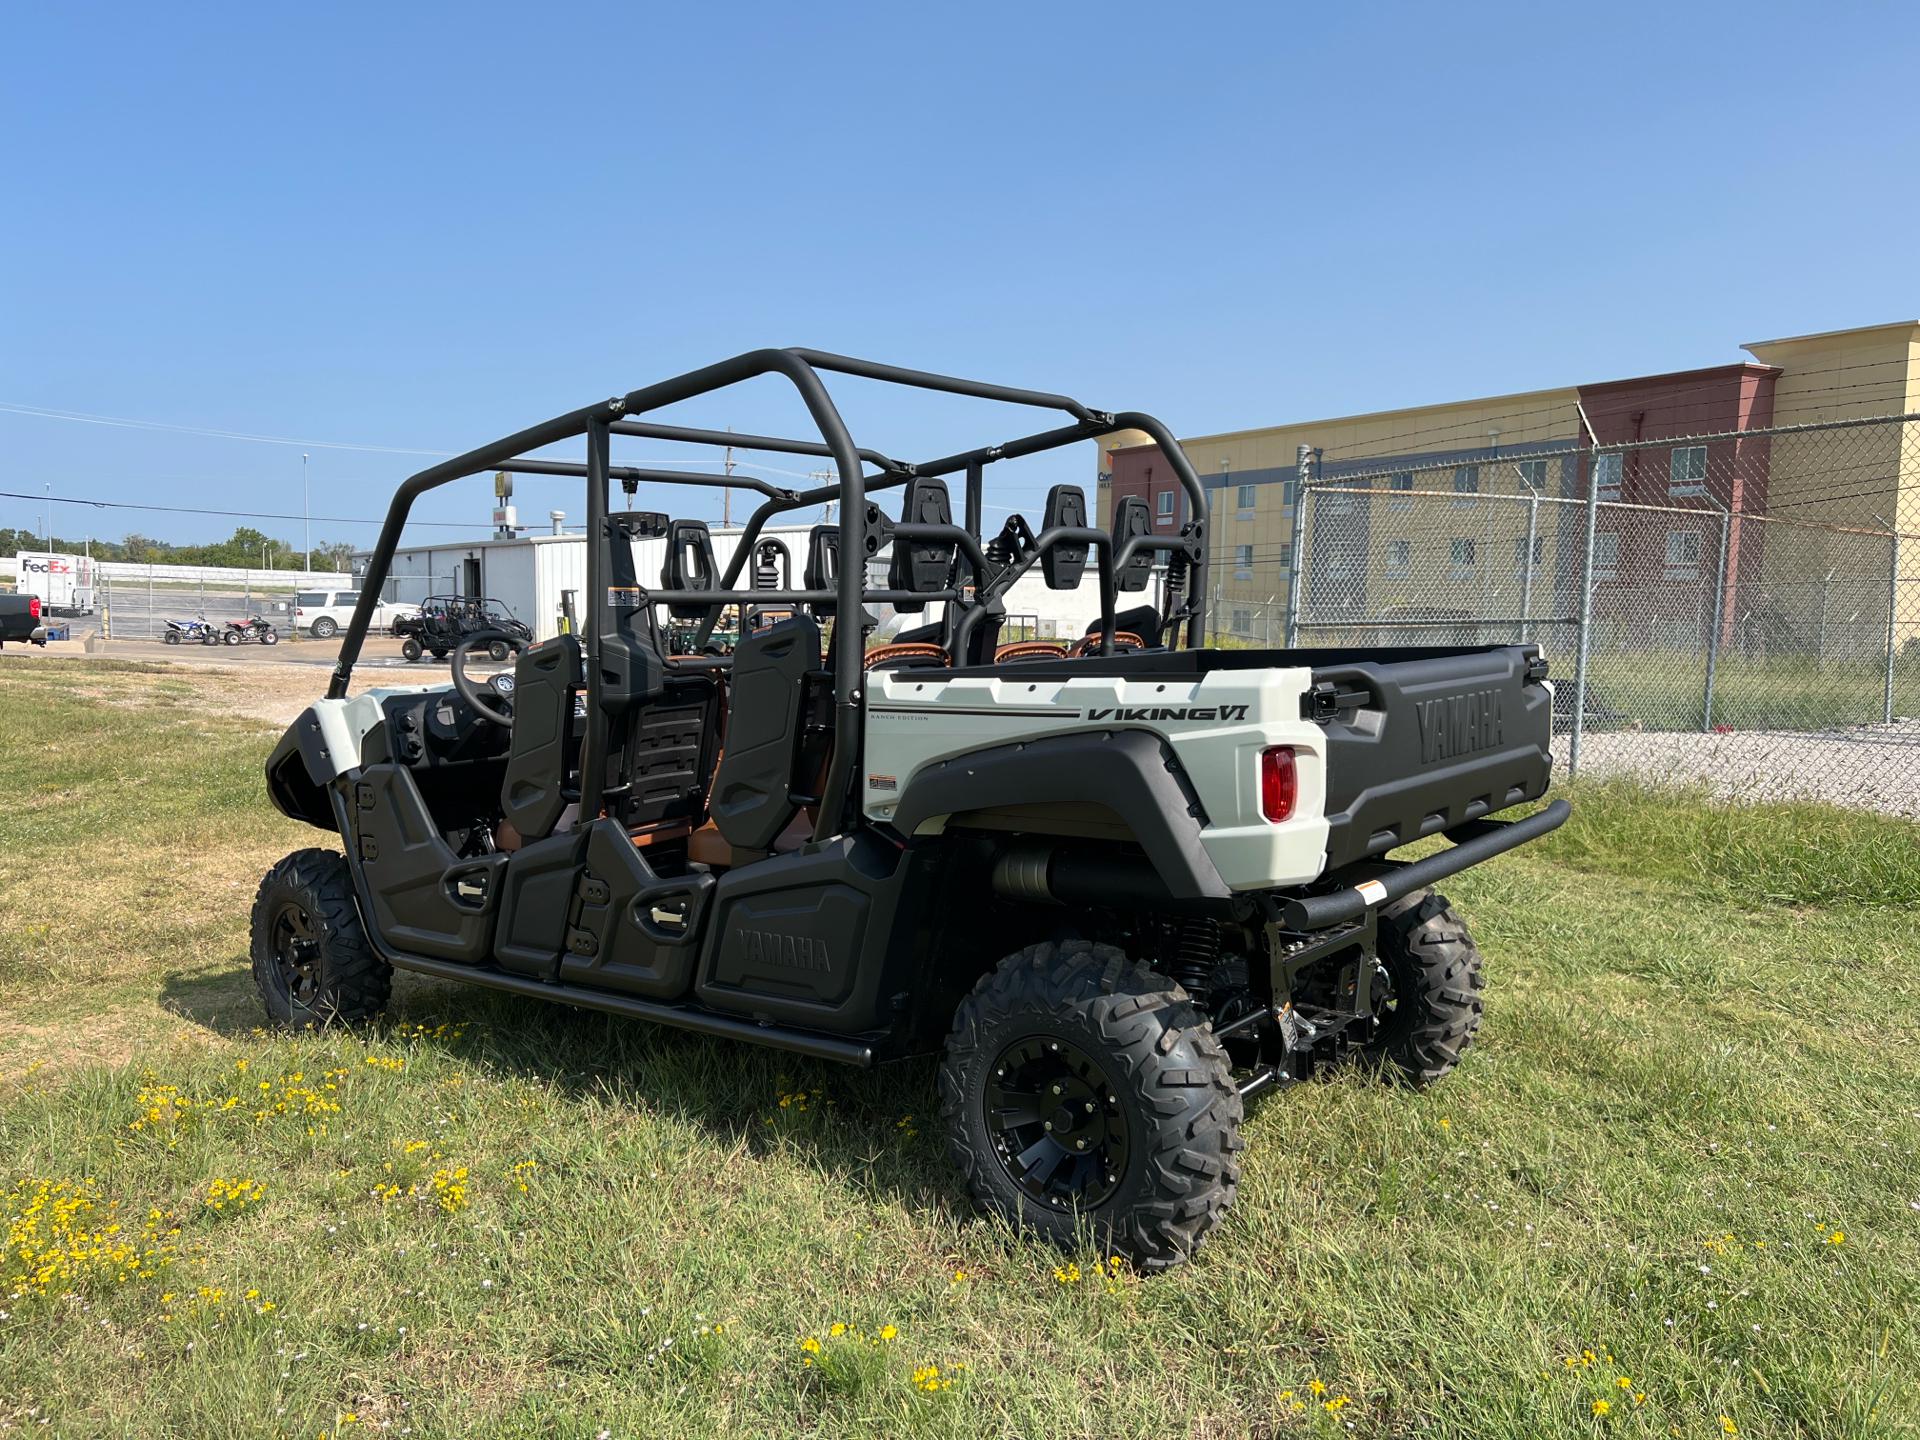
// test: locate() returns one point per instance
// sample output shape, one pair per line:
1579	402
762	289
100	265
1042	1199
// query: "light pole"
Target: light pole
306	512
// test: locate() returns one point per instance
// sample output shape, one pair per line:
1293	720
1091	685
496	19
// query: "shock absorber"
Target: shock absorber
1197	953
1175	592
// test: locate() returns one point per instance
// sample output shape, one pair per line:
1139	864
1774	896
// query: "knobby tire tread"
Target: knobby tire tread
1156	1043
1436	971
357	982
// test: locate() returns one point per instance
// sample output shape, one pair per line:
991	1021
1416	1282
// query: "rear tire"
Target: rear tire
324	628
1433	967
173	637
312	962
1142	1144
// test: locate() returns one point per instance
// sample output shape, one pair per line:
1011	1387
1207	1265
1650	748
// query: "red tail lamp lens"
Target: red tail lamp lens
33	607
1279	782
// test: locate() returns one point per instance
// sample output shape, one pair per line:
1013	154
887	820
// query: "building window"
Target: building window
1683	554
1401	481
1399	555
1246	502
1460	554
1520	551
1243	622
1466	481
1533	475
1243	562
1687	471
1163	506
1286	556
1606	553
1606	475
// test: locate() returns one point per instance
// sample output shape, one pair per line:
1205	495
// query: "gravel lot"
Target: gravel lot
1869	767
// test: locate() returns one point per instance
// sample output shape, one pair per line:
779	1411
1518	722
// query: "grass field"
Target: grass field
1672	1191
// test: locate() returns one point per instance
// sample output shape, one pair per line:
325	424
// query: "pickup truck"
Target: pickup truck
20	619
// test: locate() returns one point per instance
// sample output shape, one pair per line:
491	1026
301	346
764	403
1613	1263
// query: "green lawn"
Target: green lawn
1672	1190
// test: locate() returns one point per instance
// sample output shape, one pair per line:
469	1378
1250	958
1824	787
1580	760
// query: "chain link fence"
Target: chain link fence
1739	610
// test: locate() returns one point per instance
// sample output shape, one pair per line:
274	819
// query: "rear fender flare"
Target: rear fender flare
1134	773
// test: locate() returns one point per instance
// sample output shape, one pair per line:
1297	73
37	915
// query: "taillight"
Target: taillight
1279	782
33	607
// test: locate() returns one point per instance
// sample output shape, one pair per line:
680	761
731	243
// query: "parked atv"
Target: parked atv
198	631
253	628
1118	891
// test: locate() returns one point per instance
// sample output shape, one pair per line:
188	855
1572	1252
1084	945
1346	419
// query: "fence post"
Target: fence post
1526	560
1296	572
1586	607
1893	609
1719	609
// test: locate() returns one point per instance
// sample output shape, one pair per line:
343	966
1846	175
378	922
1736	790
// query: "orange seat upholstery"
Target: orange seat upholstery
1030	650
1091	645
914	651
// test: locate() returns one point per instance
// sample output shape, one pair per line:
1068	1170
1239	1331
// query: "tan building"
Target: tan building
1457	544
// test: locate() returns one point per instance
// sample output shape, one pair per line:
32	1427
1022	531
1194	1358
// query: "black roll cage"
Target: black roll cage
599	422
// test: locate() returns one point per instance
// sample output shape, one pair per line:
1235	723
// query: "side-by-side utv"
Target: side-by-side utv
1121	884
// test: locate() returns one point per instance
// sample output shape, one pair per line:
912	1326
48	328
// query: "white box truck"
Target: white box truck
64	583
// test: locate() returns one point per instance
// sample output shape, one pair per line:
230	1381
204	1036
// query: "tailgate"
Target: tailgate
1435	742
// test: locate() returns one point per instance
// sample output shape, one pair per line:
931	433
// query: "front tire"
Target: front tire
1081	1087
312	962
269	636
1432	969
410	649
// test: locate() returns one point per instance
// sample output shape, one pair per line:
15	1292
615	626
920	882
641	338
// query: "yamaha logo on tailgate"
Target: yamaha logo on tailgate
1459	725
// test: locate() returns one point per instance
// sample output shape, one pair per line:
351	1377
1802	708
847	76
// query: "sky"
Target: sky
375	235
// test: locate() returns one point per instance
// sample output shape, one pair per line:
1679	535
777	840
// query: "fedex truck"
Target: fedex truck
64	583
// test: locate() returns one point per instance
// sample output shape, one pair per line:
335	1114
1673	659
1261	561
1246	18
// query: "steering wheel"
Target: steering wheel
500	687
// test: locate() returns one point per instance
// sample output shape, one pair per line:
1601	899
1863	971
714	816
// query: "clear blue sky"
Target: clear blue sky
421	228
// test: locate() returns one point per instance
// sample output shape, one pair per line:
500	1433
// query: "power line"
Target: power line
230	514
122	422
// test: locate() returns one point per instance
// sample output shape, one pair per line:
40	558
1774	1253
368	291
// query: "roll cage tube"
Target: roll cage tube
800	367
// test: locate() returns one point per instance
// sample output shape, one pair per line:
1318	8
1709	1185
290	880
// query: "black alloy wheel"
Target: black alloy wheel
1085	1098
312	962
296	952
1056	1122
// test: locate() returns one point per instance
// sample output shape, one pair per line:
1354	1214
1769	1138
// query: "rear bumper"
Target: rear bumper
1487	839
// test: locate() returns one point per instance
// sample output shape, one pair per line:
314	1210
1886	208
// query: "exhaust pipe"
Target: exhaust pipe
1040	872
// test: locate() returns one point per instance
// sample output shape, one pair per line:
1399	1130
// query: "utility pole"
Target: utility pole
824	477
306	511
726	493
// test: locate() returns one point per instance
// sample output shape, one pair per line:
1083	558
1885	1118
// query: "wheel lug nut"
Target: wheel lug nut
1080	1145
1089	1107
1049	1124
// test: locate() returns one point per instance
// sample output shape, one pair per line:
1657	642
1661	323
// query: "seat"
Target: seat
1122	640
911	655
1030	650
533	792
753	785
